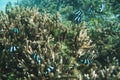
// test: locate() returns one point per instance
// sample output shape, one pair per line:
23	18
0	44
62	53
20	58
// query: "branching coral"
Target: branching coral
31	43
83	43
36	45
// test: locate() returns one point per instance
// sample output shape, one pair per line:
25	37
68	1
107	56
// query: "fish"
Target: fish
77	12
15	30
77	16
78	19
49	69
13	49
37	58
84	60
102	7
90	11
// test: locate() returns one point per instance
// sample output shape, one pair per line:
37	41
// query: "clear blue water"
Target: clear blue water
4	2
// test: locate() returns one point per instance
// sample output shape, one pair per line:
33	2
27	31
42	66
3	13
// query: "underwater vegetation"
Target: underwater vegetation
89	8
38	46
37	43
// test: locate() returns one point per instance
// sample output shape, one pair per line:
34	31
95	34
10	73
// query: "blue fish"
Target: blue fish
49	69
77	19
77	16
102	7
77	12
37	58
90	11
84	60
16	30
13	49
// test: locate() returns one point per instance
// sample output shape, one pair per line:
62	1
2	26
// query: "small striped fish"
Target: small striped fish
13	49
37	58
77	16
84	60
49	69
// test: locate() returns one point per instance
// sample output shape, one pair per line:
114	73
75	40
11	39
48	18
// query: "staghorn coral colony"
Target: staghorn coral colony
38	45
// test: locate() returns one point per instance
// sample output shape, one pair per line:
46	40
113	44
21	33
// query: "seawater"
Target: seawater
4	2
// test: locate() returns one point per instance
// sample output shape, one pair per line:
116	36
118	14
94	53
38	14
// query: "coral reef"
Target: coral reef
90	8
36	45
